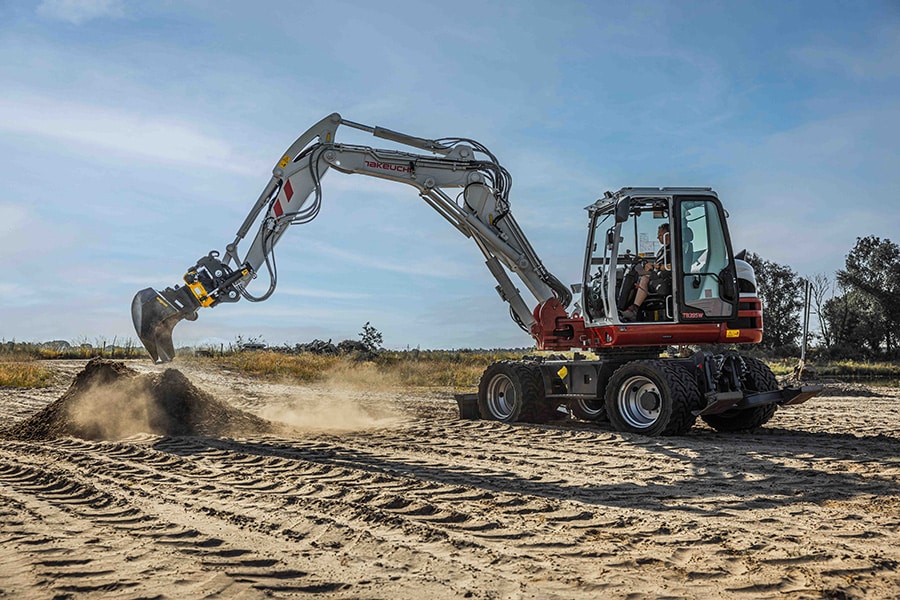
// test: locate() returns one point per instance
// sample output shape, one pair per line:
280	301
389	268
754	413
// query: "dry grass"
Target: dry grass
389	369
51	351
854	368
877	373
455	369
23	374
303	368
440	368
860	368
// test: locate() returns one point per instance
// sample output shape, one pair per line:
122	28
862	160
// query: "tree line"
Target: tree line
857	308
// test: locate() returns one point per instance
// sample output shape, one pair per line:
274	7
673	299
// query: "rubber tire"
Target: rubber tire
511	391
678	394
758	377
595	409
589	410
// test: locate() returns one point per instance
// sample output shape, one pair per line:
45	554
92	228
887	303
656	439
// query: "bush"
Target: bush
24	374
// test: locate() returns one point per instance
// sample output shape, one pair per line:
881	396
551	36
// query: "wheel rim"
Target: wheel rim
501	397
590	408
639	402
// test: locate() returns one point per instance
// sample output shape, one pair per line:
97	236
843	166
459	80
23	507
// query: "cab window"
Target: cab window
705	262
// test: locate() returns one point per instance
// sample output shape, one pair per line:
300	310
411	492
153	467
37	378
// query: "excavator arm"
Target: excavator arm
293	196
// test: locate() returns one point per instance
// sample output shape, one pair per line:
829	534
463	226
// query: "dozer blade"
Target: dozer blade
154	319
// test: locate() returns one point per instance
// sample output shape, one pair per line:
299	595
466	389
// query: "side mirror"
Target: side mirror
727	285
623	207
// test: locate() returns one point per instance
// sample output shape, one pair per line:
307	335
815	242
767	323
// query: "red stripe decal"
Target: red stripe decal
288	190
277	208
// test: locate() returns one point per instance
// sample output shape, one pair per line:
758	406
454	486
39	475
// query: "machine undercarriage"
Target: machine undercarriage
634	391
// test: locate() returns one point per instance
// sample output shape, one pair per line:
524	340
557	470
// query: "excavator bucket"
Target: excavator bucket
154	319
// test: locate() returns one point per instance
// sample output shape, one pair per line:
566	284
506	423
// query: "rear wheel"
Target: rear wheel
589	410
652	397
512	391
758	377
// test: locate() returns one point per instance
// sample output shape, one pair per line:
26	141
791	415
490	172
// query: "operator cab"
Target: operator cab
692	281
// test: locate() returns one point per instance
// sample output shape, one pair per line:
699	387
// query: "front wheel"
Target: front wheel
652	397
758	377
512	391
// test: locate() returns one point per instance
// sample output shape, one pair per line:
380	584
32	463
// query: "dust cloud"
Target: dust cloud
350	399
115	411
108	400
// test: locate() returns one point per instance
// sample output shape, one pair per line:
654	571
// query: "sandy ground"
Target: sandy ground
386	494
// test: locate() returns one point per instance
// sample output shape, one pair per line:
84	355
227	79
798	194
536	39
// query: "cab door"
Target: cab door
707	289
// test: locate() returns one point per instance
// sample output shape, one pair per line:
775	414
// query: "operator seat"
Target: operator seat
687	247
658	306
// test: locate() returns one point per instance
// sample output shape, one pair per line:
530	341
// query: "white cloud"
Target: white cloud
12	218
81	11
121	133
804	194
27	239
14	294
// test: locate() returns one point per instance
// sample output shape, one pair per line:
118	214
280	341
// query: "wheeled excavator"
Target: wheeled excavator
590	360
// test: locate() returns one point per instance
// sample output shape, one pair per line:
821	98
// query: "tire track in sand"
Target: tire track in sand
48	501
319	510
440	507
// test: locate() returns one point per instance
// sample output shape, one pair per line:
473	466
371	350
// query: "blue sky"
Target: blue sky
135	136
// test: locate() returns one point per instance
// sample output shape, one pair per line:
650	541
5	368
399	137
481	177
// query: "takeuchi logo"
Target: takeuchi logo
387	166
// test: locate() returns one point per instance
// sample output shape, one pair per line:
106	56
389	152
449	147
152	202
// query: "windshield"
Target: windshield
611	280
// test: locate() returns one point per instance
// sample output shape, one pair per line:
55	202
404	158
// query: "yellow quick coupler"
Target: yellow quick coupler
200	293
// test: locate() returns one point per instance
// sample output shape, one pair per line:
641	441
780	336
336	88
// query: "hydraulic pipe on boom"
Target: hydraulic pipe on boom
293	196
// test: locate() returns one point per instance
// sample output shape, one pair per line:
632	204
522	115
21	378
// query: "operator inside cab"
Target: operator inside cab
648	279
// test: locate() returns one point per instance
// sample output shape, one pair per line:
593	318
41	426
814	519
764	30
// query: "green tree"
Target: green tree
873	270
856	326
371	338
781	291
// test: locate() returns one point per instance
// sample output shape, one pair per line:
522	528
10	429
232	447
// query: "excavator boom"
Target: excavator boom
293	196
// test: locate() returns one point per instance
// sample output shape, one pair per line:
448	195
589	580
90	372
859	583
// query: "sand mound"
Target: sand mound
108	400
